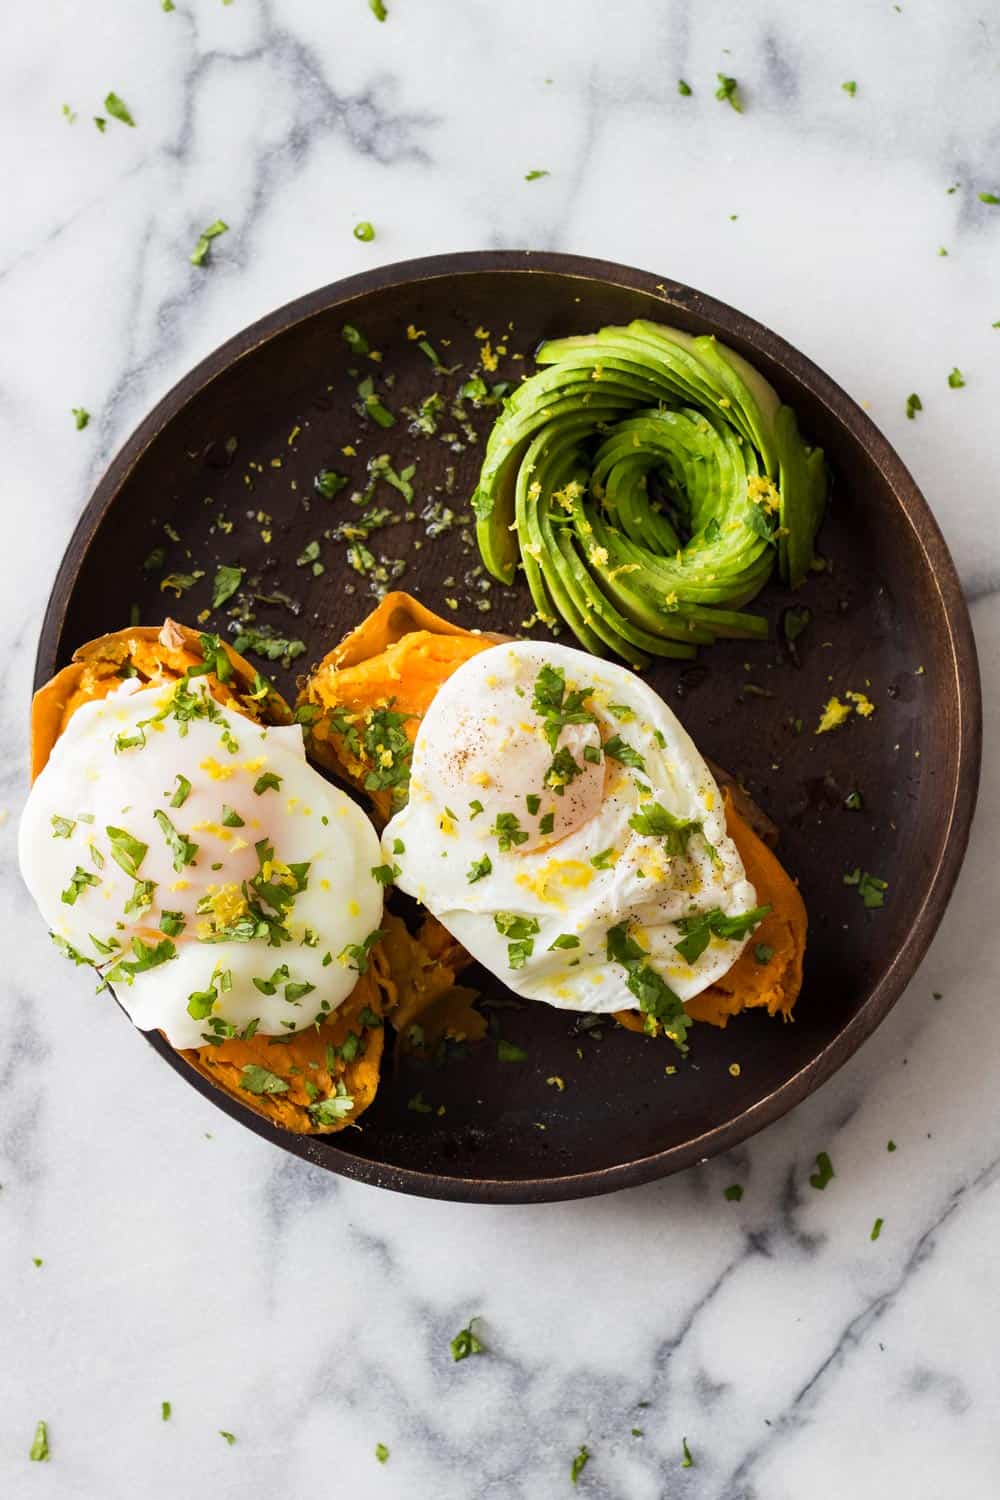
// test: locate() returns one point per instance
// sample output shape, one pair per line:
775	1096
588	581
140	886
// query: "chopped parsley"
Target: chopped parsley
355	340
466	1342
535	173
824	1172
870	888
329	483
182	792
733	1194
257	1080
854	801
579	1463
265	642
522	932
479	869
419	1104
684	89
227	581
360	953
533	802
126	851
850	88
39	1451
956	379
378	10
876	1229
563	770
509	1052
268	782
989	198
229	1437
385	874
381	1453
620	750
508	832
118	109
78	881
564	940
337	1106
366	230
697	931
165	1410
81	416
913	405
62	828
605	859
763	953
657	1000
199	254
146	956
231	818
180	846
687	1462
728	92
654	821
547	822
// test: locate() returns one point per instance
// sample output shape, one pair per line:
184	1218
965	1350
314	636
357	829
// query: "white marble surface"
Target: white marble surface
183	1258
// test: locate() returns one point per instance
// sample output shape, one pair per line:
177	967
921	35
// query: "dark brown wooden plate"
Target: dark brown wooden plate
888	619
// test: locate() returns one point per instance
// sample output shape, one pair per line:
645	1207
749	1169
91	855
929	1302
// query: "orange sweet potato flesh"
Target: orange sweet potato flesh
397	658
162	654
157	654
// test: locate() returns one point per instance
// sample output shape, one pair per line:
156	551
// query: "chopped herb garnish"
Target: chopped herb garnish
165	1410
227	581
466	1342
257	1080
913	405
385	874
604	860
684	89
535	173
508	1052
183	791
547	823
419	1104
654	821
359	953
200	1003
733	1194
508	832
763	953
824	1172
687	1462
231	818
870	888
956	379
854	801
479	869
355	340
268	782
265	642
62	828
579	1463
199	254
656	999
179	583
126	851
697	931
180	846
78	881
337	1106
564	940
172	922
728	92
533	802
365	230
39	1451
989	198
378	10
118	110
230	1439
850	88
147	956
81	416
876	1229
381	1453
329	483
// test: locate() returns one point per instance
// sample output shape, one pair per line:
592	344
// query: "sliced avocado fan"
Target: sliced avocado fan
648	481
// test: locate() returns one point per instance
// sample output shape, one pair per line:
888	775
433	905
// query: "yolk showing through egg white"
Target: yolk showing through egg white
553	798
217	881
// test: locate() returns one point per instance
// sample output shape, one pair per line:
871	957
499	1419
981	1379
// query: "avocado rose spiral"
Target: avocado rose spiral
648	481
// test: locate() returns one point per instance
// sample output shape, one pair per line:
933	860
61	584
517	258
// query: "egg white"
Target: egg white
95	786
481	741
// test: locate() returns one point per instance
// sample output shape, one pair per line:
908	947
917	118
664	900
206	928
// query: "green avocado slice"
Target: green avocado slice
649	482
